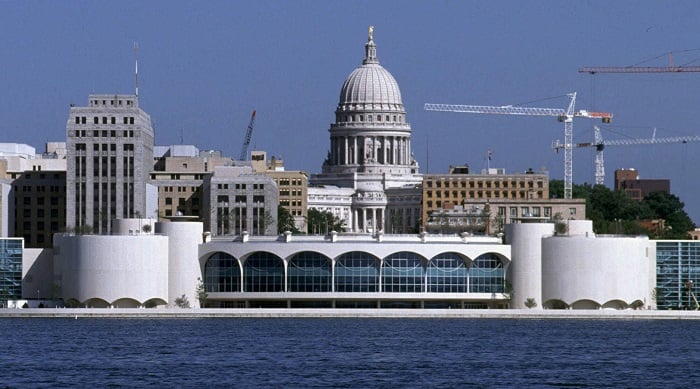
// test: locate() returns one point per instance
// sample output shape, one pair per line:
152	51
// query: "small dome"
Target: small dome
370	86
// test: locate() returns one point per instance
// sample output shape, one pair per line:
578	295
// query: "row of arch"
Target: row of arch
126	302
590	304
357	271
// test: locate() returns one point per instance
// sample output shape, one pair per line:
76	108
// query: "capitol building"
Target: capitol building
370	180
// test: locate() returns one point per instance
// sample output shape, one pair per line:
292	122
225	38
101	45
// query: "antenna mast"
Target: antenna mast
136	74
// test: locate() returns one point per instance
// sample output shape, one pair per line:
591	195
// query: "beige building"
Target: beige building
179	173
460	199
293	185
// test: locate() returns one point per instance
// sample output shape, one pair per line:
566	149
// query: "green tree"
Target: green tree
201	293
285	221
323	222
670	208
530	302
182	302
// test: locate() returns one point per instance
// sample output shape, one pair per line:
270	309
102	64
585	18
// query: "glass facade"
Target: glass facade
222	274
447	273
357	272
677	262
10	270
263	272
486	275
403	272
309	272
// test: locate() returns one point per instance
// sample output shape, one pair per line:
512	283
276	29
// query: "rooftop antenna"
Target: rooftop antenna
182	136
136	74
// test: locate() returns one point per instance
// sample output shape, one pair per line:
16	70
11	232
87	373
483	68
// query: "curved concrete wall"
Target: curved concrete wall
601	270
112	267
131	226
525	270
580	227
183	266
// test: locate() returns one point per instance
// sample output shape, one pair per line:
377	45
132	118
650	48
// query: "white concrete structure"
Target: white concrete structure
112	270
135	268
578	270
184	274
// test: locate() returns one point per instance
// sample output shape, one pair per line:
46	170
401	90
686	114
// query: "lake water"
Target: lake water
343	352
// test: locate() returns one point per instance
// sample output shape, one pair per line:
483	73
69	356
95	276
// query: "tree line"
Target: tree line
613	212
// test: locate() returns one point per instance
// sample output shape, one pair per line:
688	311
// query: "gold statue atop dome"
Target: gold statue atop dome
371	32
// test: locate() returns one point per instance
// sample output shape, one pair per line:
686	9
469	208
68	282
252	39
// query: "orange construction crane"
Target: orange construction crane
671	68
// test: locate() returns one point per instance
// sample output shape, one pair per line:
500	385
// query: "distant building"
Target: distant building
628	181
33	199
240	202
179	174
460	201
110	156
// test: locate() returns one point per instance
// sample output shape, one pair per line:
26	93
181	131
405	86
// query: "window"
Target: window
547	211
572	211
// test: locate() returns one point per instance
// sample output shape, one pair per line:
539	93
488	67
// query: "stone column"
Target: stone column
354	150
345	152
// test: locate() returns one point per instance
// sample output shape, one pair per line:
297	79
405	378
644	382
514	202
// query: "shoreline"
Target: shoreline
195	313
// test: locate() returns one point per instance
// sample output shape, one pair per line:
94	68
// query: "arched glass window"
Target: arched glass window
222	274
263	272
356	272
447	273
486	274
402	272
309	272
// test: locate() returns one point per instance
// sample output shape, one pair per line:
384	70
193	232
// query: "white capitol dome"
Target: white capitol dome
370	86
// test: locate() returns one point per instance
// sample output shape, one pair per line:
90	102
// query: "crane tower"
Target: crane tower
563	115
601	144
246	140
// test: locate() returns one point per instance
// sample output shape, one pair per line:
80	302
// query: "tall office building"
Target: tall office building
110	155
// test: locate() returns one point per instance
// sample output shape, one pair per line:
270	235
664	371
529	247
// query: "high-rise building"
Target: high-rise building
370	152
110	155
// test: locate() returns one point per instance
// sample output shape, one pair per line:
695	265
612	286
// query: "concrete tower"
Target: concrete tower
109	148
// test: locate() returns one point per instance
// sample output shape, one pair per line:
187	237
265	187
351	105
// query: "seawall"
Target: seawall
165	313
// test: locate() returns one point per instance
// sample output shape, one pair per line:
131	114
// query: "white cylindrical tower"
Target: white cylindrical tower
525	271
183	264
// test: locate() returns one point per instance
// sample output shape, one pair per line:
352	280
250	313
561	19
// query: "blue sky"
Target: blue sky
204	66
